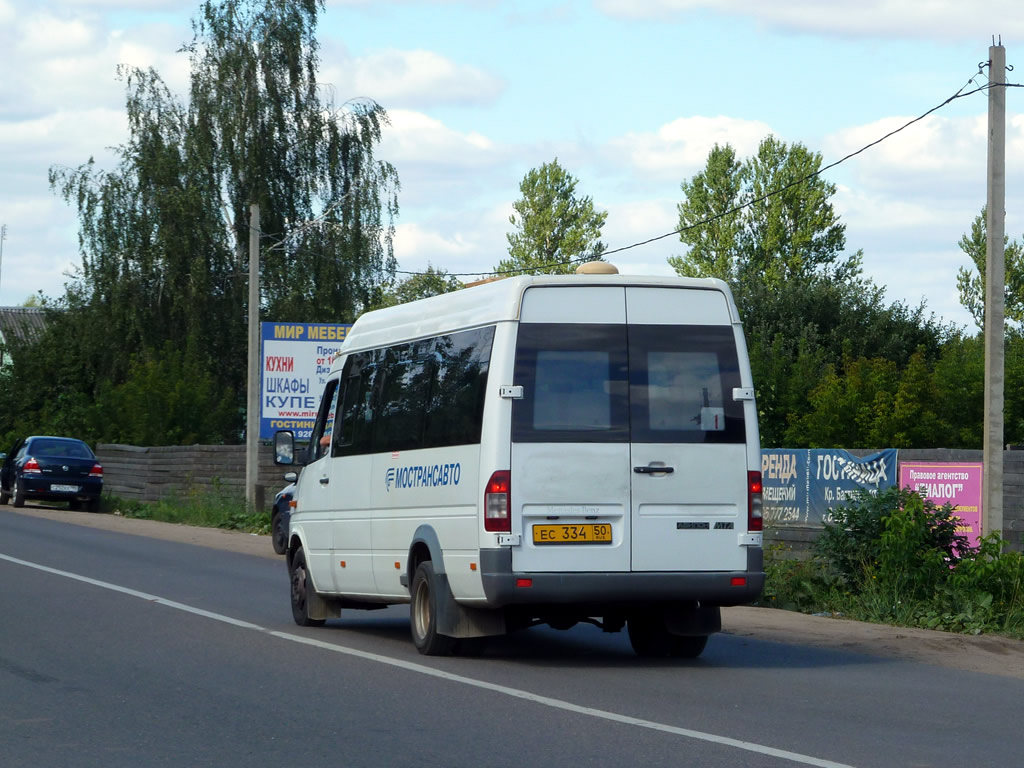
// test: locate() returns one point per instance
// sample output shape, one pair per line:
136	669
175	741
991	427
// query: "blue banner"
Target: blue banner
835	477
802	487
784	485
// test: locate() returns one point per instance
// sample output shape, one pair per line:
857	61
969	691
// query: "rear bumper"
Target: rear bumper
41	488
707	587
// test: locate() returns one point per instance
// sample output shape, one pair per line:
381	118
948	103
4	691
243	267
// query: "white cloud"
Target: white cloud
634	222
409	79
470	239
680	148
46	34
63	138
72	63
439	166
934	19
938	154
414	136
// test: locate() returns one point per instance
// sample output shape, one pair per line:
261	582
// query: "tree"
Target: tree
164	236
972	286
769	219
554	228
712	196
432	282
798	329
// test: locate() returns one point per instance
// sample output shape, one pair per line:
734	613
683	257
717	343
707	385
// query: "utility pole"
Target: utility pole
252	410
995	283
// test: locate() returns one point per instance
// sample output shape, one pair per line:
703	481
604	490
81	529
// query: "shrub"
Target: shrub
894	535
898	558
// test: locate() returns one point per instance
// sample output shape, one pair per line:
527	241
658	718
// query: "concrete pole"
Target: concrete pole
252	410
995	281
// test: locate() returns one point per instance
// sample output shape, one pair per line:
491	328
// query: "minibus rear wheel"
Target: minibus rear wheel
650	638
423	613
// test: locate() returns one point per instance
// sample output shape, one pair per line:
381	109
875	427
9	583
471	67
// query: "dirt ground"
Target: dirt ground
990	654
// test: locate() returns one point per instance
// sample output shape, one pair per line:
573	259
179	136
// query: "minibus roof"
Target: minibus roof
488	303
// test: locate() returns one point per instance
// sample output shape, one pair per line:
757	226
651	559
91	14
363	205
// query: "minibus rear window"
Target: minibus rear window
618	383
681	380
574	380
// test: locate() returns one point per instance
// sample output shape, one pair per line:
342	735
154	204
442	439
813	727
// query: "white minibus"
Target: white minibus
536	450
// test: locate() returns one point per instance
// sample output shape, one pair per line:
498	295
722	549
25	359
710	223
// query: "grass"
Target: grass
215	508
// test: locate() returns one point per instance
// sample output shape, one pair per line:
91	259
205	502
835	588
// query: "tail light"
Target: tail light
497	502
31	467
755	518
96	471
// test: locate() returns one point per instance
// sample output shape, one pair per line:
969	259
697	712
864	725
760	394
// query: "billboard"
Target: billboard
957	483
295	360
803	486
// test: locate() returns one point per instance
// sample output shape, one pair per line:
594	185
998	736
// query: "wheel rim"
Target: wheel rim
299	588
421	609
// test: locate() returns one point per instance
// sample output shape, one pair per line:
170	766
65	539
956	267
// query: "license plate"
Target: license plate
64	488
587	533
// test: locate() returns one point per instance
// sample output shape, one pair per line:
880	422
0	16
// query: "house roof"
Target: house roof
21	323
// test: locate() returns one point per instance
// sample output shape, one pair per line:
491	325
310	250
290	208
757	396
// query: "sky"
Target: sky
628	95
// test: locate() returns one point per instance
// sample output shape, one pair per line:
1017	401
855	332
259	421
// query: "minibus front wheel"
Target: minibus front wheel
302	590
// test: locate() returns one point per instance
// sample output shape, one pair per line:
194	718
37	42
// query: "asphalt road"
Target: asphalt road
119	650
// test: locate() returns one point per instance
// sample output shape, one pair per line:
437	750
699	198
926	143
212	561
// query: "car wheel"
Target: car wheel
423	613
302	588
278	533
19	493
74	506
93	505
4	497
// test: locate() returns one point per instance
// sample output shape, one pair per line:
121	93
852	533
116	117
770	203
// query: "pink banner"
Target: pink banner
957	483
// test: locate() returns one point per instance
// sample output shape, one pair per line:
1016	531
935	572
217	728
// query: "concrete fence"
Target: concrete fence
151	474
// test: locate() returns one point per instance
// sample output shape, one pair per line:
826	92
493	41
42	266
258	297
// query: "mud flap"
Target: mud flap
455	620
321	608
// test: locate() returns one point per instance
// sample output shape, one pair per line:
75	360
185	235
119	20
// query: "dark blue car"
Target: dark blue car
52	469
282	515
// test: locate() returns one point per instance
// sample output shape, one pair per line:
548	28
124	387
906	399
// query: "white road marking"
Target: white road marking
546	701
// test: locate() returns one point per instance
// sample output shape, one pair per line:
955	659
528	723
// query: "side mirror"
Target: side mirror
284	447
291	477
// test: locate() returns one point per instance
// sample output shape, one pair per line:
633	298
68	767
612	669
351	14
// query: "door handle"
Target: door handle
324	480
649	470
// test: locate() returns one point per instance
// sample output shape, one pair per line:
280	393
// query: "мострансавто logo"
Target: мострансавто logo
422	476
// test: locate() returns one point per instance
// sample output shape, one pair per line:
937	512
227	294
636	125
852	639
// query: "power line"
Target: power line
958	95
768	195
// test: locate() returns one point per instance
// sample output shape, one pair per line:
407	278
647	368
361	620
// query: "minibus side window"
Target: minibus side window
456	403
399	413
325	422
352	436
